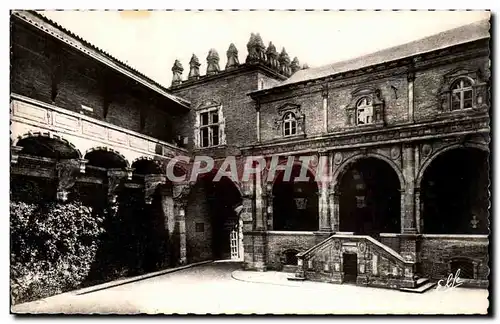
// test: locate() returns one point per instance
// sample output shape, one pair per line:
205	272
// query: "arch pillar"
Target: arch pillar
334	207
325	223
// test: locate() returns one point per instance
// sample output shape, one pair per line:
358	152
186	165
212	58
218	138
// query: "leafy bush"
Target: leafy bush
52	248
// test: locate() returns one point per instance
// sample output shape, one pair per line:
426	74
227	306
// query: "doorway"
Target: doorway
350	267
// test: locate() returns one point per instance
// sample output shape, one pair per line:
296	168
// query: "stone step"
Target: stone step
420	289
293	278
421	281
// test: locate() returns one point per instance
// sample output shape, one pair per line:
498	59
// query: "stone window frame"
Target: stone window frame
478	86
207	107
299	116
290	124
372	94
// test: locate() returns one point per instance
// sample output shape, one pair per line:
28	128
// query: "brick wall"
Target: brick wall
437	252
238	108
278	243
427	85
31	70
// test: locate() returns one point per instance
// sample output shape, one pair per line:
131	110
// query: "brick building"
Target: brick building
404	133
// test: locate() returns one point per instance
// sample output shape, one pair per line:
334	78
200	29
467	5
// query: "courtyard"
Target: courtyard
223	288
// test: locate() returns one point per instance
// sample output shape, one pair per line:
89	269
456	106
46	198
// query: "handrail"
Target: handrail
355	237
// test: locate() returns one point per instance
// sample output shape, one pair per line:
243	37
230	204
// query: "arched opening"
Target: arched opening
290	257
41	146
454	193
295	202
105	159
370	200
145	166
213	229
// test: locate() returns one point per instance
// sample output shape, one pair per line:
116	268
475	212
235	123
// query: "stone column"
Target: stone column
151	182
115	178
167	206
334	206
324	213
179	198
269	205
408	238
408	192
411	79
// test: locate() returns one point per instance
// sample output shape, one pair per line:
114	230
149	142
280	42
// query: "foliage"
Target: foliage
52	247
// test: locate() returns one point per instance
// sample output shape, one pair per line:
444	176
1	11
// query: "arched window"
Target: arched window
289	124
364	111
461	94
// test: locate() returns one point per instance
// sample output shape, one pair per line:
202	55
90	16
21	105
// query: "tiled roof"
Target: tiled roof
456	36
148	81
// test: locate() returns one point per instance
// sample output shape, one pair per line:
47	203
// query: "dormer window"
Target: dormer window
461	94
289	124
364	111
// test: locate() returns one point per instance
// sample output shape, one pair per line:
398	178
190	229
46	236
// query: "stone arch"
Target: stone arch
49	135
430	159
153	164
344	167
310	171
107	149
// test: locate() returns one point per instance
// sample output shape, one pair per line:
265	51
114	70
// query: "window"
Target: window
461	94
199	227
209	128
289	124
364	111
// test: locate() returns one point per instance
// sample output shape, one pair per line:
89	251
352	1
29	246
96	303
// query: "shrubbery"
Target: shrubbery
52	248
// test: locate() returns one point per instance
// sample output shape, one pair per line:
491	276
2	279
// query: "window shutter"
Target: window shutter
222	124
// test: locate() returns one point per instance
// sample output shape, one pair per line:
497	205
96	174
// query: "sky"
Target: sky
150	41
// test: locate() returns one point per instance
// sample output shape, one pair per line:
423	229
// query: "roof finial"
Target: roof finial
194	68
177	70
232	57
295	66
284	60
213	62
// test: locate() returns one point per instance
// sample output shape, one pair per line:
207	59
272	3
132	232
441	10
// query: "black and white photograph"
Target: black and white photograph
240	162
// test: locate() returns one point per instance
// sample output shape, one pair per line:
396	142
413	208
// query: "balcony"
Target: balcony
31	118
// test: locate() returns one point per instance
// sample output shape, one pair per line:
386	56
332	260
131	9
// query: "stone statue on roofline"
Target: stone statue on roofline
232	57
272	57
177	70
284	61
213	62
194	68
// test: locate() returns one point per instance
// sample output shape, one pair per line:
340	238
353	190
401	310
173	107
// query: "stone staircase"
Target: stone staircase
359	259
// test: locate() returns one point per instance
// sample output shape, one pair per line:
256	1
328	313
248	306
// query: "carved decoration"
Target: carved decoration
177	70
295	66
395	152
252	52
426	150
374	96
284	61
272	56
66	175
299	116
480	96
115	178
232	57
338	158
213	62
151	182
362	247
336	245
14	153
194	68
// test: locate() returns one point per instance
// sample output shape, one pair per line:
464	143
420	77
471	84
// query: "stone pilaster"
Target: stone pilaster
334	206
179	198
324	189
14	154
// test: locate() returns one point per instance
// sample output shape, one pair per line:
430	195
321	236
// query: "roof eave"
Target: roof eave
96	54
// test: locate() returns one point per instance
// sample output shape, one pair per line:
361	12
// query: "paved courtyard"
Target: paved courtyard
221	287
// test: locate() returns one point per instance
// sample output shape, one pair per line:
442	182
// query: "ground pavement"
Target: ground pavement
222	288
